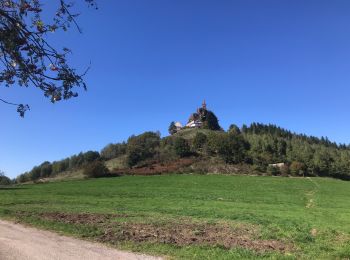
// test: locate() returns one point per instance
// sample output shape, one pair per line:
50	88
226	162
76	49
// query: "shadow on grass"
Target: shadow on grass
11	188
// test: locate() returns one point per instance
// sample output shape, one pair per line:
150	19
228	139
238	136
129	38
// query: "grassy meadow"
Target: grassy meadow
194	216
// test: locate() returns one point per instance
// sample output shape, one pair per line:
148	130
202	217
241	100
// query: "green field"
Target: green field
194	216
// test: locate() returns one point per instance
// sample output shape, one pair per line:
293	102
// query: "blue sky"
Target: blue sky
281	62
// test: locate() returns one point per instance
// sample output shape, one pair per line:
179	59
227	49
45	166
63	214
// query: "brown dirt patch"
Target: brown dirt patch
179	234
156	168
193	234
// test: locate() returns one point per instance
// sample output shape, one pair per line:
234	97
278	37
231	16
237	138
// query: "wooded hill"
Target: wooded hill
256	149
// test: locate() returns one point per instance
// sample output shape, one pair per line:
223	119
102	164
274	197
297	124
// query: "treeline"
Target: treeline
48	169
4	180
78	161
264	148
302	155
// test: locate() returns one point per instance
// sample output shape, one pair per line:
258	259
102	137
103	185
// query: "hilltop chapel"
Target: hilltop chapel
196	119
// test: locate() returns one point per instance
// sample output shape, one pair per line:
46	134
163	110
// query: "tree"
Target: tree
297	169
233	129
199	140
27	58
95	169
172	128
181	147
273	170
91	156
211	121
35	173
113	151
142	147
3	179
231	148
45	169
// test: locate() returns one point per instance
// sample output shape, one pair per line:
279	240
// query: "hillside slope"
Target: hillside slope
257	149
195	216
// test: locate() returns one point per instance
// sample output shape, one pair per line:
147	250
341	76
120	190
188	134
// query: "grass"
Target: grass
116	163
190	133
311	214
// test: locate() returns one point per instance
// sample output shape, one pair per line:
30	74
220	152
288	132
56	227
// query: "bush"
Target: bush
199	140
273	170
91	156
113	151
284	170
4	180
230	148
142	147
181	147
297	169
95	169
211	122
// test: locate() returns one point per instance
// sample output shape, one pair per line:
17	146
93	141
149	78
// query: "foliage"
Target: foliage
199	140
172	128
91	156
60	166
166	149
4	180
273	170
142	147
26	55
47	169
95	169
297	169
210	121
233	129
258	145
306	155
231	148
181	147
112	151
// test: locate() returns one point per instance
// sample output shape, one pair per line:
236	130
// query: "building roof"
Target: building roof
178	124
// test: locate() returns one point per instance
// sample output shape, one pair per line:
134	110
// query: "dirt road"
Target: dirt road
18	242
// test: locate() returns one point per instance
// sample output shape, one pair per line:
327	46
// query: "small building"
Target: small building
194	124
195	120
178	126
277	165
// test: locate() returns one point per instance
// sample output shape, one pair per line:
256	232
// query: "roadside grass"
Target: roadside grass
312	215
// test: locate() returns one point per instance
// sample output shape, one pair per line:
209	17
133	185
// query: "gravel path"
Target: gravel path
18	242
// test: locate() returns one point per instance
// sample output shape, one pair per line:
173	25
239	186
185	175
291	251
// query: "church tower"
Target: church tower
204	105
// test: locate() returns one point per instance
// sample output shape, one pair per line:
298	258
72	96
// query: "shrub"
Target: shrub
142	147
181	147
172	128
273	170
233	129
230	148
45	169
211	121
95	169
113	151
199	140
297	169
91	156
284	170
4	180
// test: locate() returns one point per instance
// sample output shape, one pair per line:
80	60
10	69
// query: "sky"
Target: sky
155	61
